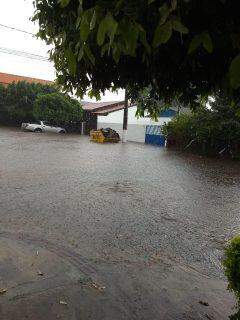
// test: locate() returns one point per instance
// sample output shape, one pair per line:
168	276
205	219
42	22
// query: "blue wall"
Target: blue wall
155	140
154	136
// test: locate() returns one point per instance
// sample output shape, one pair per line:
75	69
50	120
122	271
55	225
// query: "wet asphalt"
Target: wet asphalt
145	226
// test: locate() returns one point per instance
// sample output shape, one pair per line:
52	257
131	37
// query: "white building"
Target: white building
136	126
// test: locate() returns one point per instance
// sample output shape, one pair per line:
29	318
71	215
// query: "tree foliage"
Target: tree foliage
231	264
18	103
17	100
184	48
211	131
57	108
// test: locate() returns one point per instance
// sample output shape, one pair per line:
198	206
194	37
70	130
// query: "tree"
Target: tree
183	48
2	101
57	108
19	100
23	102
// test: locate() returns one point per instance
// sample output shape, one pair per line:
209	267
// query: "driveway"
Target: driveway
113	231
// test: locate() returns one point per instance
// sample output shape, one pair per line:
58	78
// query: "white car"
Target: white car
42	126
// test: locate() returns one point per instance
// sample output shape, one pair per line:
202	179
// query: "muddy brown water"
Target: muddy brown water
118	231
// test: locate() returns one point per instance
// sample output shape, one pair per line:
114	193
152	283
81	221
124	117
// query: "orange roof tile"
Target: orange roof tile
6	79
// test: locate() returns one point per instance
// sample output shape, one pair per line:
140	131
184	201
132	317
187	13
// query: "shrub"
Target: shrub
231	265
58	108
207	131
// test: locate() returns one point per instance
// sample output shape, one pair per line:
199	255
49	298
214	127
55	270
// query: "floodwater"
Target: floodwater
118	231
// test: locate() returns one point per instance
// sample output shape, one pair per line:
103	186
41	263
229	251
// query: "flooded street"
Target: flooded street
117	231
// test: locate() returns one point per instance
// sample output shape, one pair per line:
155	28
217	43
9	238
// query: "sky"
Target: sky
17	13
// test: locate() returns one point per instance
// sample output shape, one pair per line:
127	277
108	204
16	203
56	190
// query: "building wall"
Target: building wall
136	127
135	133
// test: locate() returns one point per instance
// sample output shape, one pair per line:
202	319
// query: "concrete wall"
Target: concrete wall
136	127
135	132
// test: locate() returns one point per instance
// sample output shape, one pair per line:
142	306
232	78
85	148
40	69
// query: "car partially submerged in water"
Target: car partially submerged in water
42	126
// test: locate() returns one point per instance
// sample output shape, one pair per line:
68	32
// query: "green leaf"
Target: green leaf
80	54
178	26
112	30
101	33
89	54
104	49
195	43
131	33
107	26
116	53
84	29
118	6
162	34
64	3
85	24
71	60
204	39
93	21
78	22
173	5
164	12
207	41
64	36
234	72
143	40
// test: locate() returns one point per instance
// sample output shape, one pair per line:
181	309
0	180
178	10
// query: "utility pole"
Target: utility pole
125	118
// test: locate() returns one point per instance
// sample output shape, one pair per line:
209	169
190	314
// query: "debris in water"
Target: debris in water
208	316
204	303
97	287
40	273
2	291
85	280
63	302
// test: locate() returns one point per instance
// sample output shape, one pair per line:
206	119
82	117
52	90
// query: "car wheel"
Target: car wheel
38	130
62	131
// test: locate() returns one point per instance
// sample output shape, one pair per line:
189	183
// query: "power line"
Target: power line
16	29
23	54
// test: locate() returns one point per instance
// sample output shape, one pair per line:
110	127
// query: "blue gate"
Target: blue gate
154	136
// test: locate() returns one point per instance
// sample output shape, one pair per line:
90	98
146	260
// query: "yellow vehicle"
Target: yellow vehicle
104	135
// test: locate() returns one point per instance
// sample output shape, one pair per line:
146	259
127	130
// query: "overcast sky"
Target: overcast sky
16	13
